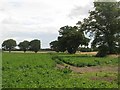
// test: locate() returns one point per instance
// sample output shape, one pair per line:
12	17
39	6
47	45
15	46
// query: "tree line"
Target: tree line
102	25
33	45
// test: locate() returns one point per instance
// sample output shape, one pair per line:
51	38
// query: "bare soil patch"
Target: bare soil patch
94	53
114	55
87	53
31	51
89	69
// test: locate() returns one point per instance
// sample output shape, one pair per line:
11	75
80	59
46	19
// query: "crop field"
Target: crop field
58	70
86	60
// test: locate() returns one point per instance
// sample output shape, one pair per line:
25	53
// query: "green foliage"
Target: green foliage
35	45
103	50
103	25
24	45
57	59
66	70
8	44
82	61
70	38
39	71
54	46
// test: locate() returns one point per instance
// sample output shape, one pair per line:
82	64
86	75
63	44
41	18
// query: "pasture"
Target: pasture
58	70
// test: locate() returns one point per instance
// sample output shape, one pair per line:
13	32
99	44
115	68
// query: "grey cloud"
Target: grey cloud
79	11
2	9
28	21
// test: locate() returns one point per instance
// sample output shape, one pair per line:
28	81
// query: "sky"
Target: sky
39	19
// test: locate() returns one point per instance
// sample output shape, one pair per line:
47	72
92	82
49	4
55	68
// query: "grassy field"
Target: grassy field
52	70
86	60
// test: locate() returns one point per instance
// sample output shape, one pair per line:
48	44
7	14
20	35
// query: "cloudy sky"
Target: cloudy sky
39	19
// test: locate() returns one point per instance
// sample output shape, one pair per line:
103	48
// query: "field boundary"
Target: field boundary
87	69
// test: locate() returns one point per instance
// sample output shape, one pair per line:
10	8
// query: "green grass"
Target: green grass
86	60
29	70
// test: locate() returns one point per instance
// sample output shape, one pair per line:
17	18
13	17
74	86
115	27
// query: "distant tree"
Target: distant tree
73	37
70	38
24	45
58	46
54	45
103	24
9	44
35	45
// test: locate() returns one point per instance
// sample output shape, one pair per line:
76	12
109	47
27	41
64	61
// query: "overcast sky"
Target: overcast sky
39	19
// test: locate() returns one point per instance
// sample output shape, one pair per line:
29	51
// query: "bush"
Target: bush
91	64
81	65
102	51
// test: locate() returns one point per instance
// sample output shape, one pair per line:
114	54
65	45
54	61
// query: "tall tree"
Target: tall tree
24	45
35	45
70	38
103	24
73	38
9	44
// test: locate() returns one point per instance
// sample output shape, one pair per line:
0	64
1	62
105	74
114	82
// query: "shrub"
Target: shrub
102	51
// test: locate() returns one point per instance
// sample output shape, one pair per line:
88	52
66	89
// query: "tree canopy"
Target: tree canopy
24	45
35	45
9	44
70	38
103	25
54	46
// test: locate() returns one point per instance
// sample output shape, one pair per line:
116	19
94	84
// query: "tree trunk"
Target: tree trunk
9	50
111	48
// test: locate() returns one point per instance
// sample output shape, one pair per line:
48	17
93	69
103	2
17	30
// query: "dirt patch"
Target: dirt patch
31	51
60	66
94	53
88	69
87	53
114	55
